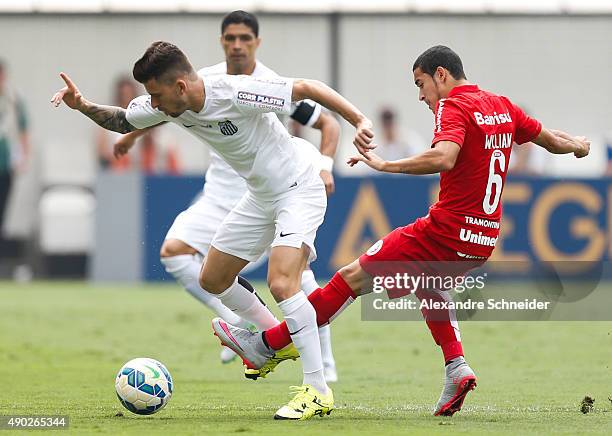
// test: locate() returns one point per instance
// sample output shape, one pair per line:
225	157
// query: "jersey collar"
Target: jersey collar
463	88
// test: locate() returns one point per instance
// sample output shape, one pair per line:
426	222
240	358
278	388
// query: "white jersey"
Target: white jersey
238	121
221	181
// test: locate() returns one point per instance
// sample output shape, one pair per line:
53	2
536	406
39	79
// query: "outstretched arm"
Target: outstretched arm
558	142
326	96
441	157
110	117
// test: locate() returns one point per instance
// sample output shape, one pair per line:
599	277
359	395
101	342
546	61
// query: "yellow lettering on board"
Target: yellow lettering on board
367	211
580	227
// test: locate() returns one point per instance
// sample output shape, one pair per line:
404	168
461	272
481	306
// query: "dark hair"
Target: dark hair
440	56
241	17
387	115
161	60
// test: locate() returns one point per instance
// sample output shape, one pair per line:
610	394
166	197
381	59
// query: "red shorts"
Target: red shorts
408	250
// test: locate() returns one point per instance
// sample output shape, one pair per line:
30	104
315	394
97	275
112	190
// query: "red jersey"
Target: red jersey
467	216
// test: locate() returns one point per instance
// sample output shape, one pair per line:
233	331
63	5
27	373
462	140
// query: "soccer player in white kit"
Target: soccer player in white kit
285	202
188	240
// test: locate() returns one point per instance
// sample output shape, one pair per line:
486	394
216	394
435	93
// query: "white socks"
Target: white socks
309	285
185	268
239	305
245	303
301	321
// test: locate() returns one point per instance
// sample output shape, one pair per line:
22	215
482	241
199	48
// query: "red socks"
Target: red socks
328	302
332	299
451	350
442	325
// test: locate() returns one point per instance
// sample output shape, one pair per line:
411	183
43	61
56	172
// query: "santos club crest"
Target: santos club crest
228	128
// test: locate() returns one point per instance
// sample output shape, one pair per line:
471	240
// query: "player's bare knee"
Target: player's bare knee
214	282
167	249
208	281
282	287
209	284
175	247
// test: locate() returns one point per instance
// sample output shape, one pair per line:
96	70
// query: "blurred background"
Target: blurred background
69	209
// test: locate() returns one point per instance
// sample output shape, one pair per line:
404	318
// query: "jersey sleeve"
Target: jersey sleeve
306	112
451	123
141	114
258	95
527	128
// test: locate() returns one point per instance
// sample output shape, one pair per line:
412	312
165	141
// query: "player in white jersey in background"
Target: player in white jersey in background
285	202
188	240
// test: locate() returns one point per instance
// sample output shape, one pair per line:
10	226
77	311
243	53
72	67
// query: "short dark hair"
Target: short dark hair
387	115
241	17
162	60
440	56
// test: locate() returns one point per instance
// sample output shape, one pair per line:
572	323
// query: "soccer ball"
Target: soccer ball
144	386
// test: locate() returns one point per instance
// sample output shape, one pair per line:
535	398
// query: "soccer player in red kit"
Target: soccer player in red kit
473	135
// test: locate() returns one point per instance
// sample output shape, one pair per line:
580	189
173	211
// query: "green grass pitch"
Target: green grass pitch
61	345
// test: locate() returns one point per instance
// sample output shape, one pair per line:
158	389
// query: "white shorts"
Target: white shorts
256	224
197	225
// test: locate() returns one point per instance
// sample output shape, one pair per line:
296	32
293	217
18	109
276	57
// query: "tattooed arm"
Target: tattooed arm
110	117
